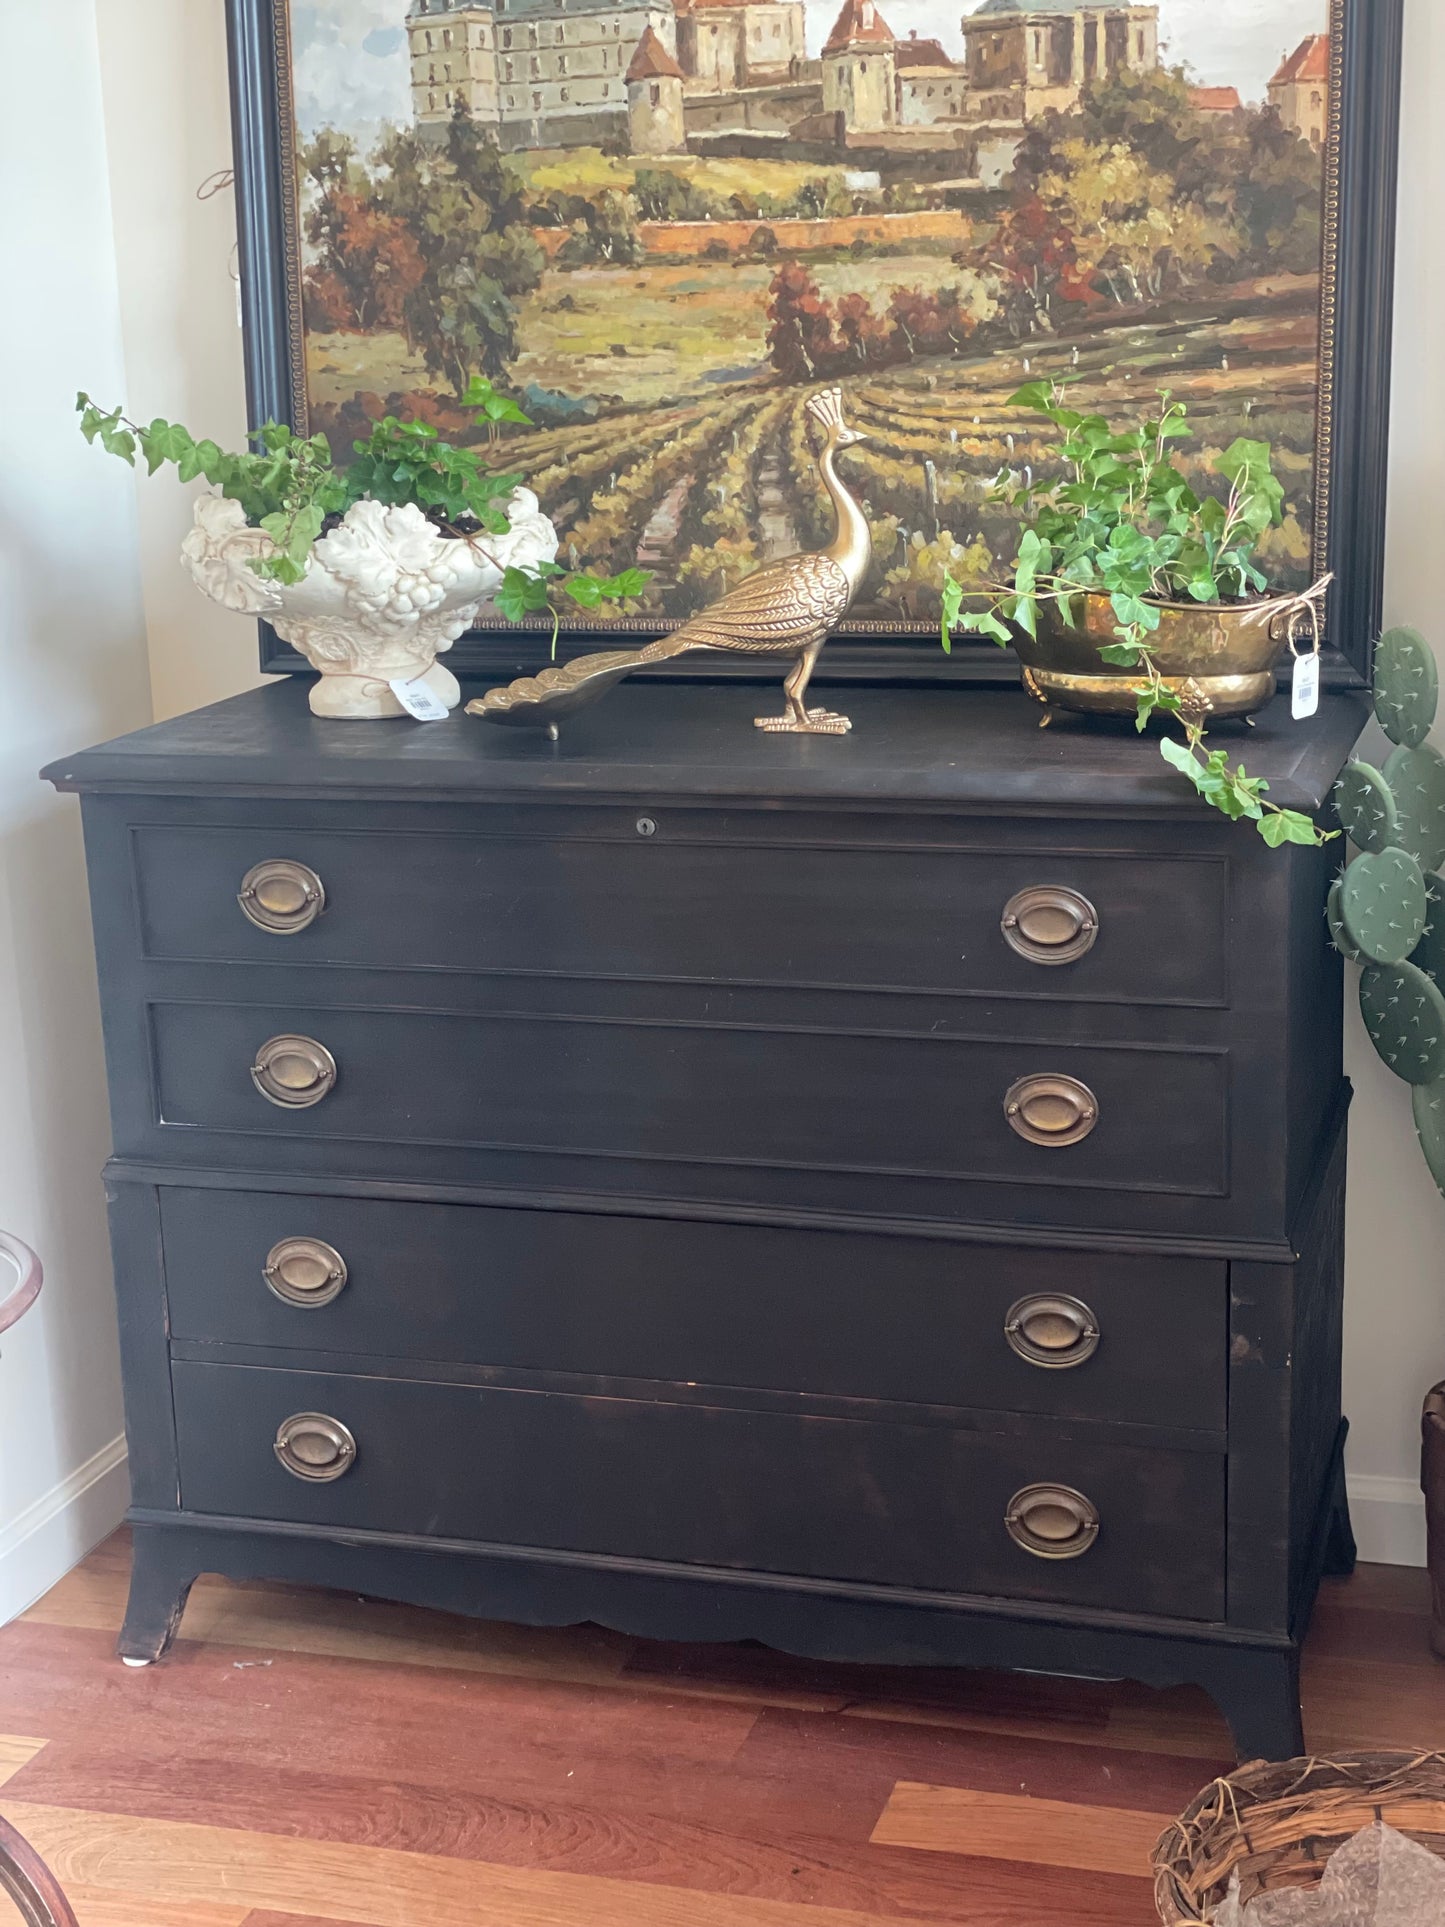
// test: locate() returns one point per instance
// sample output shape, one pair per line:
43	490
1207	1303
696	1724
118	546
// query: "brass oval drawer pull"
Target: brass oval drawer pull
1051	1109
294	1072
312	1446
1052	1521
1053	1332
281	896
304	1271
1049	924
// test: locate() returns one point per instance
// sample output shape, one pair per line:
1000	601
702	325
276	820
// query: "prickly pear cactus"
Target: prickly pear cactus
1387	910
1338	936
1416	778
1404	1012
1407	686
1428	1103
1367	808
1382	905
1429	954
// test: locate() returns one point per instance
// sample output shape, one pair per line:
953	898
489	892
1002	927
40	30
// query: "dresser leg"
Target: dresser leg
160	1582
1340	1551
1258	1693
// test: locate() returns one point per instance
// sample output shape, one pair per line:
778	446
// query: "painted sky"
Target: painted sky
351	68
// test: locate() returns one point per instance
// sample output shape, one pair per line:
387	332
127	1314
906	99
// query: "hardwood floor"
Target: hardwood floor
305	1758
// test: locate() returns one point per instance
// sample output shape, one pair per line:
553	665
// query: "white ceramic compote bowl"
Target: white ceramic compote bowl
384	593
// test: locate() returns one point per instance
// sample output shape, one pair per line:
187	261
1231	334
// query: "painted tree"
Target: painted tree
801	345
466	212
1036	259
1132	228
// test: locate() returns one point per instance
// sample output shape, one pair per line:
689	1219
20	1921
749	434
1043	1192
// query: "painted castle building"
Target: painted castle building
654	75
860	69
724	46
655	119
542	73
553	73
1300	90
930	86
1033	55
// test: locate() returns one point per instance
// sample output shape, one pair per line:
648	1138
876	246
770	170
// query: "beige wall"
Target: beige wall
168	131
72	639
1396	1266
182	354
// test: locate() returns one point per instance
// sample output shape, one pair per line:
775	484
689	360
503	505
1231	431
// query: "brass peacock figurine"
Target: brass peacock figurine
786	608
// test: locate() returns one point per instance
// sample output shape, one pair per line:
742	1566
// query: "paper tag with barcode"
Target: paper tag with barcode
419	699
1305	690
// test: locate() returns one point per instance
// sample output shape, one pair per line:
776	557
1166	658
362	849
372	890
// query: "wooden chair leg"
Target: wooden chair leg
26	1879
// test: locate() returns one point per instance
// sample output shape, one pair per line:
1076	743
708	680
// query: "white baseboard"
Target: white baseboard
61	1527
1389	1520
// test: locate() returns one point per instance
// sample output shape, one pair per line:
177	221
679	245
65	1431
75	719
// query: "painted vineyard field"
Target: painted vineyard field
702	495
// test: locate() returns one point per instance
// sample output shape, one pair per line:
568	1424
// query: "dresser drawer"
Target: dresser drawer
736	902
665	1094
852	1315
902	1505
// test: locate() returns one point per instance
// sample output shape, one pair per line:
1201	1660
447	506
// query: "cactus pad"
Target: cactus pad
1382	905
1429	1106
1337	929
1429	953
1404	1012
1417	781
1366	804
1407	686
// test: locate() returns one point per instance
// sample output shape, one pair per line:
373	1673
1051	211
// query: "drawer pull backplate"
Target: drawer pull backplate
294	1072
1052	1521
1052	1109
281	896
1049	924
1054	1332
304	1271
312	1446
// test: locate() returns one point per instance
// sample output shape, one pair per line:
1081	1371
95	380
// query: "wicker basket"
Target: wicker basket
1277	1825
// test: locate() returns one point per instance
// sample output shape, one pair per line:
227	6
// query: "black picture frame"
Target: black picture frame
1361	173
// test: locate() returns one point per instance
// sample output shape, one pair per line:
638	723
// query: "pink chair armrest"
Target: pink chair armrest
27	1266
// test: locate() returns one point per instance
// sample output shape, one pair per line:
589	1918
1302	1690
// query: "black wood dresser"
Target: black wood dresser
879	1196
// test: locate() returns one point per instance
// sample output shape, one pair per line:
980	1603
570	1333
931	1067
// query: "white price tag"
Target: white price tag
419	699
1305	690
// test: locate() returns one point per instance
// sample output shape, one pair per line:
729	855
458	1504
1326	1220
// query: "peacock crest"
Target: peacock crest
826	408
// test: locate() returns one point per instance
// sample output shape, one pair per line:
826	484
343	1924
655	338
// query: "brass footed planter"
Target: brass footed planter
1220	657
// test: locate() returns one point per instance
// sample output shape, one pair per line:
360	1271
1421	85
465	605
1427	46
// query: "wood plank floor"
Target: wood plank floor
309	1757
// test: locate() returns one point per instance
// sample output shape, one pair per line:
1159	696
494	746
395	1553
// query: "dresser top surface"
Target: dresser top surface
976	749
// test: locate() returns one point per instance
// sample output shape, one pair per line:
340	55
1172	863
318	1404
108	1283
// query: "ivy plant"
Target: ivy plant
289	486
1124	522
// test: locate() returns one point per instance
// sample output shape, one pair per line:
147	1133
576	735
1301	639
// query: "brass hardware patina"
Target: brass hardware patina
282	897
304	1271
785	608
315	1447
294	1072
1051	1109
1052	1332
1052	1521
1049	924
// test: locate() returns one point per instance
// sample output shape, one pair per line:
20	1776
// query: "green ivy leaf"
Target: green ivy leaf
520	595
585	591
951	598
624	586
1289	826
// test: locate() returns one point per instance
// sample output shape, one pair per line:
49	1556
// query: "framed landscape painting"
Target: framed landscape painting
660	225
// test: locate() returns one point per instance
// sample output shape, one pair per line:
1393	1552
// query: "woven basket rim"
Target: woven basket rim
1291	1815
